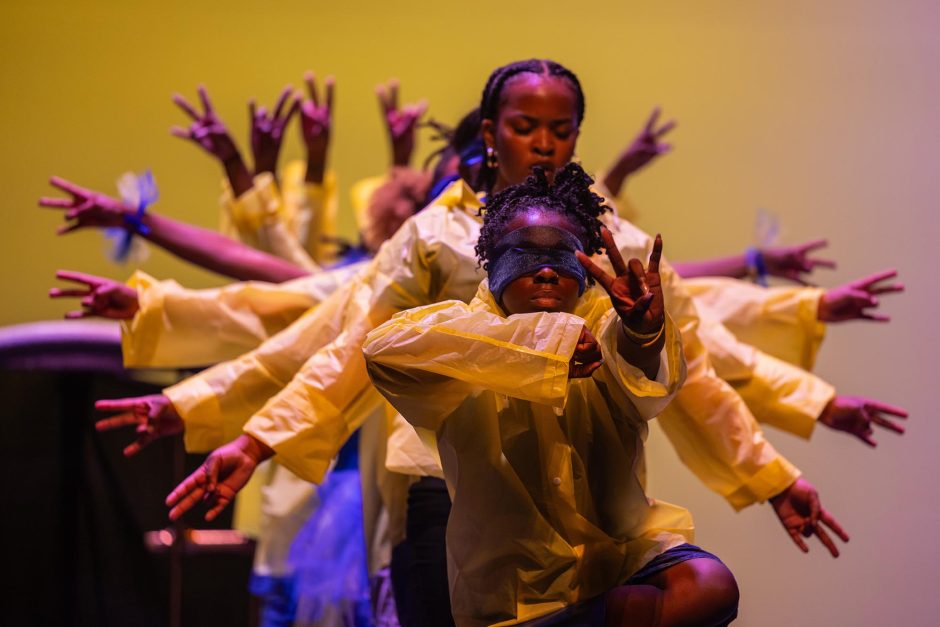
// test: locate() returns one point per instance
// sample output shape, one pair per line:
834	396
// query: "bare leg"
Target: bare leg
695	593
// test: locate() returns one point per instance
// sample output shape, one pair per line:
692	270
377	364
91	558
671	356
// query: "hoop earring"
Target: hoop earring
491	161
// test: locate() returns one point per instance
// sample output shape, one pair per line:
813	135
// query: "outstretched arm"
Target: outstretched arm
99	296
197	245
802	515
225	471
787	262
855	299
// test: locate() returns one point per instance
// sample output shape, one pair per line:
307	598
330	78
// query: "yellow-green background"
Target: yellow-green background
822	112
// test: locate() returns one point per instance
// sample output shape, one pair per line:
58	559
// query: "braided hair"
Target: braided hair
493	93
570	195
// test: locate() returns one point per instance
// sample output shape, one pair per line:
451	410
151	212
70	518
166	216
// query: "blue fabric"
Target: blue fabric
278	601
440	186
526	250
673	556
147	194
756	265
329	553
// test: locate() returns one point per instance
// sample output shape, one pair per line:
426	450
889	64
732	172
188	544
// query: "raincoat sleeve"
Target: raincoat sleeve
308	420
426	361
304	419
709	424
780	321
711	428
779	393
283	222
648	397
181	328
311	210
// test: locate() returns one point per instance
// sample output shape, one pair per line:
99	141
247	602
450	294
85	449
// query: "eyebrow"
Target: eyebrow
534	120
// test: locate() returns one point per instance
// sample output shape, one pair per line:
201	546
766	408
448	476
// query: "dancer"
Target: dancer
541	426
426	261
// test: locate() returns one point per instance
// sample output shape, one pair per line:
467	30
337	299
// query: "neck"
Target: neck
500	184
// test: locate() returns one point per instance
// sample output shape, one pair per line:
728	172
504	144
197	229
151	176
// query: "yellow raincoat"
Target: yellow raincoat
544	472
298	388
286	222
177	327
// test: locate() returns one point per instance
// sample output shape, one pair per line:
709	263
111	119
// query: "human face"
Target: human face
536	126
545	289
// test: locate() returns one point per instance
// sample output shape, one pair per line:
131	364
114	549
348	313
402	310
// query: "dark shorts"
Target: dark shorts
592	613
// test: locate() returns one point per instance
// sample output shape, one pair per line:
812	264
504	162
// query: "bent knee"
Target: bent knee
701	592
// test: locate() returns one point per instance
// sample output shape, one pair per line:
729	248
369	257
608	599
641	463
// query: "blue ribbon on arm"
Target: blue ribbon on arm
756	265
147	194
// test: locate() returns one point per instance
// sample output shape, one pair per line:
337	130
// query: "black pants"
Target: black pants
419	564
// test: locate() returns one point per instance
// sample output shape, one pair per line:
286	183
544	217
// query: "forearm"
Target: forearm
238	175
177	327
781	321
216	252
316	167
615	177
646	358
734	266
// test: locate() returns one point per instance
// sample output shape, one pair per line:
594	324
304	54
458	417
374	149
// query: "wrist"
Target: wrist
401	158
782	495
825	416
316	170
644	340
254	448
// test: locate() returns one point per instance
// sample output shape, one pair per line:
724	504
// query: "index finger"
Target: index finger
613	253
183	104
651	122
113	404
830	522
878	276
310	80
185	495
599	275
330	83
67	186
79	277
813	245
393	93
888	409
665	128
821	263
826	540
655	255
281	101
204	97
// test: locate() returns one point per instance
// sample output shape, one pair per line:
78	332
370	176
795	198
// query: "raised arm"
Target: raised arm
267	130
316	123
210	134
645	147
203	247
401	123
